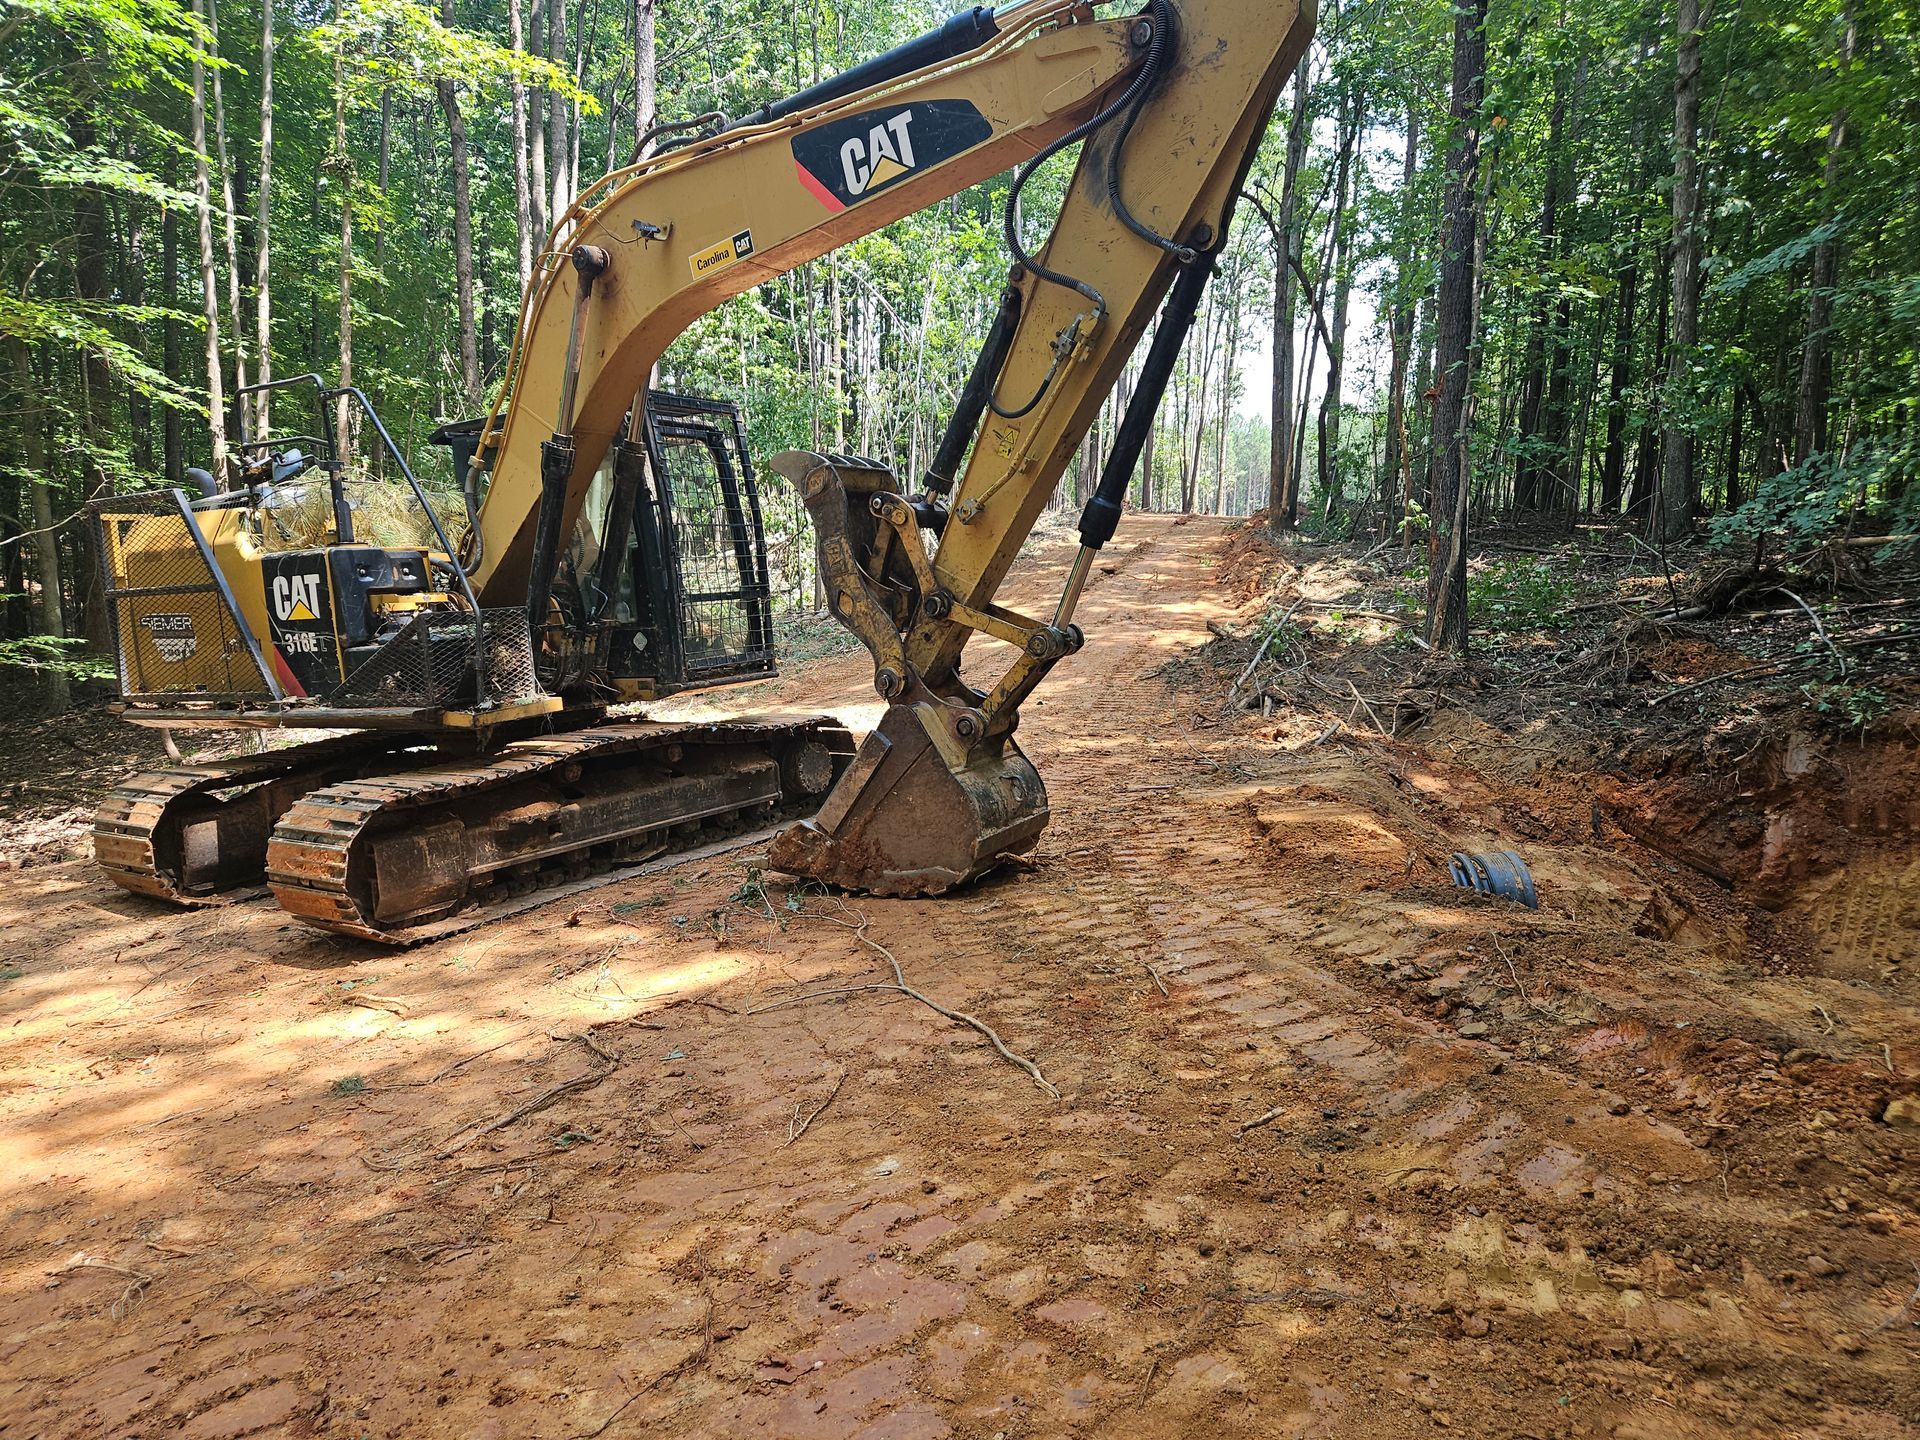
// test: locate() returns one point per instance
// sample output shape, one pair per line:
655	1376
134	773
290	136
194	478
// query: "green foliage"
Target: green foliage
53	655
1855	707
1876	483
1519	594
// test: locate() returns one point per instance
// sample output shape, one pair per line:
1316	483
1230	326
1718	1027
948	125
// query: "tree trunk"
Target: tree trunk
229	223
173	460
1447	537
1528	472
339	165
522	197
537	135
1613	466
1280	477
48	612
1816	356
1400	334
462	230
646	72
1674	514
209	278
557	113
1645	480
262	285
1353	121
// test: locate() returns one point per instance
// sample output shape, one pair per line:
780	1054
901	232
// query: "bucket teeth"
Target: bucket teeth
909	818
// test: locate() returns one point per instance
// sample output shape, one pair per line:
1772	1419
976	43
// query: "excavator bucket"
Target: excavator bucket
915	814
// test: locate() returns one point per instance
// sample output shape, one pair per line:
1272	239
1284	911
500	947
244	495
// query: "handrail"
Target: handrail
433	519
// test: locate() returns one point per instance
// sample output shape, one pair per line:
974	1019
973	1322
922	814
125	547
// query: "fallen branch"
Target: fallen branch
609	1063
137	1280
1254	1124
1818	628
794	1133
900	985
1369	709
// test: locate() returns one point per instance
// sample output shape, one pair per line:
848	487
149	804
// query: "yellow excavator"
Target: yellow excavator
605	543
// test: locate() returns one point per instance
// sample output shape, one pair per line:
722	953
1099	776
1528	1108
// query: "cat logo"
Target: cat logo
886	154
854	157
296	598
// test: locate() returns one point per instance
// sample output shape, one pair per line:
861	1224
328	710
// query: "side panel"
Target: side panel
298	587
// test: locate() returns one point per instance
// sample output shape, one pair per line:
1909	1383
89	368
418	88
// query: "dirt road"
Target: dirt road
1336	1149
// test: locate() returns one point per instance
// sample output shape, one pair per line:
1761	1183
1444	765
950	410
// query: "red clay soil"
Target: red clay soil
1337	1149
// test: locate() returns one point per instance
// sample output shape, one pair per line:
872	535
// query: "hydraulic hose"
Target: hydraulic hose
1159	53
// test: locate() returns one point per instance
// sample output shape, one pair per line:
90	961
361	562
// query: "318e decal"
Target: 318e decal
847	160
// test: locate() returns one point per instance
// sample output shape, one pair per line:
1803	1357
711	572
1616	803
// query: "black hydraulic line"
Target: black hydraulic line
965	419
1155	31
629	469
966	31
672	127
1102	513
556	468
1163	39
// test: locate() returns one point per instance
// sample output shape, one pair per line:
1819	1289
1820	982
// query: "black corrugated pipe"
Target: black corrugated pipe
1102	513
973	395
966	31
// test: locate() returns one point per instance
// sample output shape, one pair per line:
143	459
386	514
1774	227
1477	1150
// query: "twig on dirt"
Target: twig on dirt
1826	1017
1518	984
1818	628
1261	654
1673	596
137	1280
1907	1305
385	1003
609	1063
1153	1368
1233	690
1369	708
1158	983
795	1132
816	995
1774	667
1612	600
859	930
1360	612
1886	1058
1254	1124
1326	734
1406	1170
619	1410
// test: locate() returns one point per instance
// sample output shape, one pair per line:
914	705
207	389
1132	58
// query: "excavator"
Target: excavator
605	543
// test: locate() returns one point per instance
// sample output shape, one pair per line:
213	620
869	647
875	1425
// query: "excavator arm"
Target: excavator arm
1169	104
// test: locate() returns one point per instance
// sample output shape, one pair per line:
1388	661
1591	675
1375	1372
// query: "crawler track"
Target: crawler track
148	835
408	857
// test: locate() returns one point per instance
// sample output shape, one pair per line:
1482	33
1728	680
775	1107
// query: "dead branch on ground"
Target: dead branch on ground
900	985
795	1131
609	1063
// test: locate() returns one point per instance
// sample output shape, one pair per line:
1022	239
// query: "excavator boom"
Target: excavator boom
1168	104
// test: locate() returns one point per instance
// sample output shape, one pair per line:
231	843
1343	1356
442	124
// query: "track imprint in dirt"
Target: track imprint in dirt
1339	1150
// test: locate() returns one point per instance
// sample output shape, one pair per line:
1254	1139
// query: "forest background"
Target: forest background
1557	263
